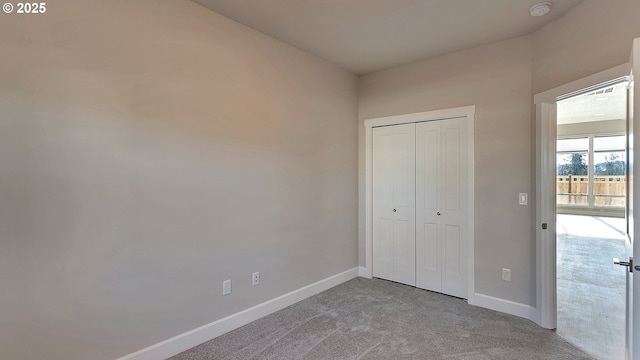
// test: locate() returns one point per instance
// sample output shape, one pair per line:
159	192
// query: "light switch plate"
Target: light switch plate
523	198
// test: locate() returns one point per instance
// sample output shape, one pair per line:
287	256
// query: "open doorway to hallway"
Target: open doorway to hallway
590	223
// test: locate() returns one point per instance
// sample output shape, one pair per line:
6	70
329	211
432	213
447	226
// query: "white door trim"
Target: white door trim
544	311
468	112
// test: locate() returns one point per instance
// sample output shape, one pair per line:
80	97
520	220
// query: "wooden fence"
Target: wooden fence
609	190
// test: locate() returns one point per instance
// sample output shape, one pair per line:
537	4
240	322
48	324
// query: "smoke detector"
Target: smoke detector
540	9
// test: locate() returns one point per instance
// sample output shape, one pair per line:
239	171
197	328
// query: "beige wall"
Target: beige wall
594	36
10	309
151	150
593	127
500	79
156	149
496	79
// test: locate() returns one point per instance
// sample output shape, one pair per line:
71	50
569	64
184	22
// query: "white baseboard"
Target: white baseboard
364	272
534	315
189	339
502	305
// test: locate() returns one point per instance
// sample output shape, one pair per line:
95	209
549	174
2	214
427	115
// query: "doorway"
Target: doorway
375	216
590	225
544	313
420	181
581	145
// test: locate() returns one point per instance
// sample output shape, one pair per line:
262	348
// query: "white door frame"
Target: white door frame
545	310
467	112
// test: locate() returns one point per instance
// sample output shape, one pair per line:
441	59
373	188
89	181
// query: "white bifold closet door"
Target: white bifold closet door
441	206
394	203
420	205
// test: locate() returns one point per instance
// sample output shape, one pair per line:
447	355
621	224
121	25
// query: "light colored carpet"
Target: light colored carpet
378	319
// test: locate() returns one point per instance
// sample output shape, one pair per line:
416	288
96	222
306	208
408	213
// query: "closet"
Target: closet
419	183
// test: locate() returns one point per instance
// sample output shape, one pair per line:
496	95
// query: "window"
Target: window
572	159
594	186
609	159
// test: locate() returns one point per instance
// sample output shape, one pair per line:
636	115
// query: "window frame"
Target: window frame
591	196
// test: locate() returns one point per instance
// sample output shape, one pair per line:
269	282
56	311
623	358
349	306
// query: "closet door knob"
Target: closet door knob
394	210
438	213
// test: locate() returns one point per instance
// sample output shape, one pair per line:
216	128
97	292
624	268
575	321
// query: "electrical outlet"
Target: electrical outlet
255	278
506	274
226	287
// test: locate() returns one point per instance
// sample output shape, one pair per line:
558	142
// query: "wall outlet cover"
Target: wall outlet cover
226	287
506	274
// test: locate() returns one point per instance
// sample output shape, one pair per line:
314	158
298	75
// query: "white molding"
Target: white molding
534	315
421	116
189	339
369	124
544	314
471	204
364	272
502	305
551	95
368	200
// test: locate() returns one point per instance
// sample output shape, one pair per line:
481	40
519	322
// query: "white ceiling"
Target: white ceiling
364	36
608	103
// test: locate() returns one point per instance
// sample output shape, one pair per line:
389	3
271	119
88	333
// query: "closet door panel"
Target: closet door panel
383	249
404	157
428	264
441	259
454	216
383	225
428	258
427	155
451	167
419	205
454	274
394	203
404	258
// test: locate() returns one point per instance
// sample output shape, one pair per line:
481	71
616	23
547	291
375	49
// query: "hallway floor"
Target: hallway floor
590	288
